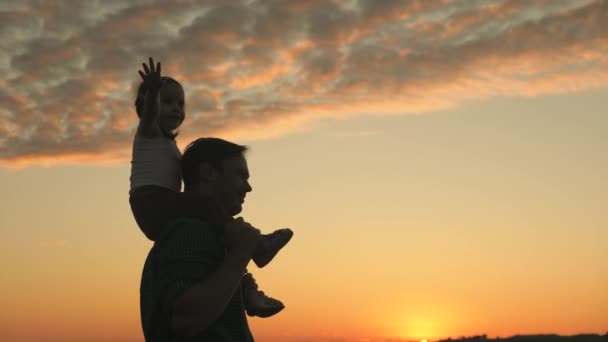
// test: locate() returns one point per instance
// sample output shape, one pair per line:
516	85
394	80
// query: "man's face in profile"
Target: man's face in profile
232	185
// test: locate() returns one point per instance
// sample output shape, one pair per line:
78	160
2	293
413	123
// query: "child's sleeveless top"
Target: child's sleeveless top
155	162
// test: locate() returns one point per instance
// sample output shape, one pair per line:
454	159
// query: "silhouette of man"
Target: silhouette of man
191	282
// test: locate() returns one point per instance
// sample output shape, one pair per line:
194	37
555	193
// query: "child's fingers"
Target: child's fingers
158	68
143	76
145	68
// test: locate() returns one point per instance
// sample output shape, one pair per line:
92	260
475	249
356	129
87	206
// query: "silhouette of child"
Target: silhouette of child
155	195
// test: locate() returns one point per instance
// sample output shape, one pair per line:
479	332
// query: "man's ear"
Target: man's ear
207	172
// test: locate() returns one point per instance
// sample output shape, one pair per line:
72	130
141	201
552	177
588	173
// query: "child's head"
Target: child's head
172	105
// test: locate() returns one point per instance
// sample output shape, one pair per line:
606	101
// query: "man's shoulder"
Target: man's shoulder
189	232
187	222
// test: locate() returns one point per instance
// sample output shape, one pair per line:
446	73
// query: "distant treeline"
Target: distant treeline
532	338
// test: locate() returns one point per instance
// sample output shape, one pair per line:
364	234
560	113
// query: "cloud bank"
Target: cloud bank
254	69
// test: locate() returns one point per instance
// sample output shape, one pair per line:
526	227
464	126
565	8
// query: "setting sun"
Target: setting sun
419	327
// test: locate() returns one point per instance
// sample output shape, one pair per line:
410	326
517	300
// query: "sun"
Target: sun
420	327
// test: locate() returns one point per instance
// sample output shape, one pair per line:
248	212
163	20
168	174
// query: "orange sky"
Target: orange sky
469	221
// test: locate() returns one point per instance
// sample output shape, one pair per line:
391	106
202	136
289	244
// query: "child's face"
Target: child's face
172	111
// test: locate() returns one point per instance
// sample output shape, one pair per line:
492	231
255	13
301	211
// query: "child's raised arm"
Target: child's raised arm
148	126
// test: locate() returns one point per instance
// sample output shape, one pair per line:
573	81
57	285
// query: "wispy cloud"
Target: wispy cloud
355	134
264	68
52	243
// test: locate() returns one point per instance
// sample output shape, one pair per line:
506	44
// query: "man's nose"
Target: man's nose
248	187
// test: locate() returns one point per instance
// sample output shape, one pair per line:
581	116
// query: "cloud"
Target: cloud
53	243
355	134
258	69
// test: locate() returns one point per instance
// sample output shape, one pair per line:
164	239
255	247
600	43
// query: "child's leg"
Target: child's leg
256	302
149	205
189	204
270	245
154	206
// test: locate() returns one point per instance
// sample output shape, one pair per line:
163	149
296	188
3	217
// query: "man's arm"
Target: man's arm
204	302
198	306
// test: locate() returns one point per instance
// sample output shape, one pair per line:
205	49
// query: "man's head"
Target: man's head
217	169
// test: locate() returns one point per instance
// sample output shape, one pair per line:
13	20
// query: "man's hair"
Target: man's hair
211	150
141	95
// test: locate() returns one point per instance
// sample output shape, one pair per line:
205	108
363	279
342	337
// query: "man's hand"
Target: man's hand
151	76
242	239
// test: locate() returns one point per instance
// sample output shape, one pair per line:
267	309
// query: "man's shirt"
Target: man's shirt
190	252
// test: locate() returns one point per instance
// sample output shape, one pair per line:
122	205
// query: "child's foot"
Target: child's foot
256	302
259	304
270	245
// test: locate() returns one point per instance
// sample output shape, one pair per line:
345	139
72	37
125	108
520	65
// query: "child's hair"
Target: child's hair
139	102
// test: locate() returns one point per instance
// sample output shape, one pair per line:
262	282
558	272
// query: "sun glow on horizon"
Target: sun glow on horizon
424	319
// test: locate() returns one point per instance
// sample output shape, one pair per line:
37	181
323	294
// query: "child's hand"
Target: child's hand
151	76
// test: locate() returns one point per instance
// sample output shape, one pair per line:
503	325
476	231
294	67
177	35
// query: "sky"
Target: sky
442	163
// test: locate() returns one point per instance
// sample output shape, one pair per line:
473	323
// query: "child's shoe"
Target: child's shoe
256	302
270	245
